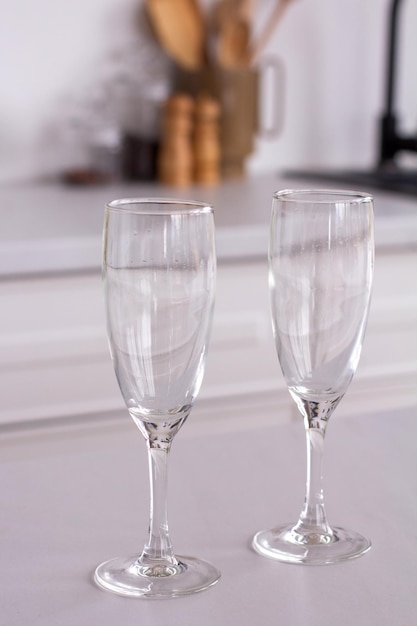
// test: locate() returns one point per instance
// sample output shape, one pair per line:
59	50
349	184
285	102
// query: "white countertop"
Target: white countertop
72	497
48	228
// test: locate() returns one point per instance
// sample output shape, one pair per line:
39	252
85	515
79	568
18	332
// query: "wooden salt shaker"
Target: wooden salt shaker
175	161
206	141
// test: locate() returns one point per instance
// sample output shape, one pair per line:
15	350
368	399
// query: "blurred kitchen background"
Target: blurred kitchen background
93	108
77	78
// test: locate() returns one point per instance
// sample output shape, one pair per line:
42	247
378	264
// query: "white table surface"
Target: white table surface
53	228
73	496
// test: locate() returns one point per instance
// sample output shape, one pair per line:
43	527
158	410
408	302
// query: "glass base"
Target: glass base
126	576
286	544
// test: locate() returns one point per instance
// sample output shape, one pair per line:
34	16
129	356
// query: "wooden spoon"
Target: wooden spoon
180	29
273	21
234	31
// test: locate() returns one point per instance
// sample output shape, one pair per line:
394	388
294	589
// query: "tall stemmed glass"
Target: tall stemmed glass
159	275
321	256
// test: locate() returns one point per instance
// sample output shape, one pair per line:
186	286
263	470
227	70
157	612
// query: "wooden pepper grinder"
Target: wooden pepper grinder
206	141
175	161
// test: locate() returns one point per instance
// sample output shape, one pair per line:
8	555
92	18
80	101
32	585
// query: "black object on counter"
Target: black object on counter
139	158
391	141
387	175
396	180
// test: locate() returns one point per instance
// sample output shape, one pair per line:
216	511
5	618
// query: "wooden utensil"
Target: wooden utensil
179	27
271	25
233	26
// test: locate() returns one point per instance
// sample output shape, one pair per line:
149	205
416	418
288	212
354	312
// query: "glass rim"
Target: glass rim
161	206
317	196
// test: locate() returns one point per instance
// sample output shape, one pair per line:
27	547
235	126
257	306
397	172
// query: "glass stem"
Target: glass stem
312	523
313	515
158	548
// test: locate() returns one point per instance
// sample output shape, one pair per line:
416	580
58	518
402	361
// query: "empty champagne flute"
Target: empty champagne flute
321	257
159	271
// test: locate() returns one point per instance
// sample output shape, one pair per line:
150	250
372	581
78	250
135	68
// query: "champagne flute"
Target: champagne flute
321	256
159	271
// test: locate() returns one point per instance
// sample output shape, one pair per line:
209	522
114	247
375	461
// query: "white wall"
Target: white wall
53	51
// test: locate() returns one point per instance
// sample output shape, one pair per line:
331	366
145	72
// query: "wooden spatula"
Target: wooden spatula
233	28
179	27
272	24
